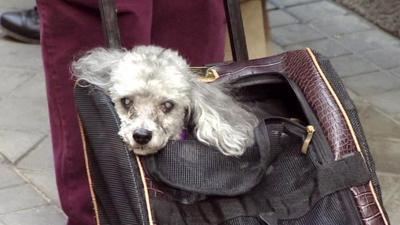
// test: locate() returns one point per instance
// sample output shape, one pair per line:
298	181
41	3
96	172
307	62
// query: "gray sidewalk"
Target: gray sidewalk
28	194
365	57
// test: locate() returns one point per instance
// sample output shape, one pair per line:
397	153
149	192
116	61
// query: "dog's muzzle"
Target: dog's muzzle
142	136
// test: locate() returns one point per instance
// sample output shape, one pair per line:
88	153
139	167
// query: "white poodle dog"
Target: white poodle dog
156	97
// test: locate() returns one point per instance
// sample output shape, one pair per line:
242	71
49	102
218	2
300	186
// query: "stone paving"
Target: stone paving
28	194
365	57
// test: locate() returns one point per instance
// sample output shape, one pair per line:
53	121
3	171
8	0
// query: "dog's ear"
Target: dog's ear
220	121
95	66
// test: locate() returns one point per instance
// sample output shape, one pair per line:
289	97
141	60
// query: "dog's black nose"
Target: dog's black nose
142	136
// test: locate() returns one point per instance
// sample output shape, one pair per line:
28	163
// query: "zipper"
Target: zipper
319	140
318	137
206	74
310	133
298	129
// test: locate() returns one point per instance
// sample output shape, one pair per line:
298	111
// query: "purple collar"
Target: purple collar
184	134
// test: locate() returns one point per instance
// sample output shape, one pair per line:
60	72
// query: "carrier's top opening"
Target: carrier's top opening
269	94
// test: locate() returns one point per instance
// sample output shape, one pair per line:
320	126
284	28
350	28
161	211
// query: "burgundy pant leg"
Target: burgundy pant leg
71	27
194	27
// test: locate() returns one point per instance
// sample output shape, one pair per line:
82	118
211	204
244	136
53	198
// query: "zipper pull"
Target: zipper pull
310	132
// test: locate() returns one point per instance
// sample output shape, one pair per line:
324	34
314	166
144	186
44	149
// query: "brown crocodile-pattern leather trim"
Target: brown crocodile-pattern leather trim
236	70
300	67
372	212
367	206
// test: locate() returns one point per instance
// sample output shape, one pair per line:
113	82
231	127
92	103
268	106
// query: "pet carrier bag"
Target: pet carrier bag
310	164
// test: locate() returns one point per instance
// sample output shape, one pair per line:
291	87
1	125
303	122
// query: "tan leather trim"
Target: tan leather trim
146	193
314	59
92	195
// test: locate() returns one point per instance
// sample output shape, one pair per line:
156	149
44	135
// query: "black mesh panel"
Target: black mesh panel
115	174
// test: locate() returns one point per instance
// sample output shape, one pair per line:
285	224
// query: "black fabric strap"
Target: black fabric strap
331	177
192	166
262	208
327	178
335	176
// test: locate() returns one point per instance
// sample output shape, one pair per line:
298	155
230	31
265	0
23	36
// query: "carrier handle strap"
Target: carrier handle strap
108	12
236	31
109	20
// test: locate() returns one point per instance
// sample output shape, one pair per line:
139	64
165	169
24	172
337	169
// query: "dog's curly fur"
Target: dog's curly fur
153	89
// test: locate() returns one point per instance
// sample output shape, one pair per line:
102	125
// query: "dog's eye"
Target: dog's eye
126	102
167	106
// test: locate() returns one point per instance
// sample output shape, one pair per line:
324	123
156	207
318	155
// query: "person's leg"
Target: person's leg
69	29
196	28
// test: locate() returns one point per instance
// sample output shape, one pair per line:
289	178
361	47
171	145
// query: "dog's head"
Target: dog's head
155	93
